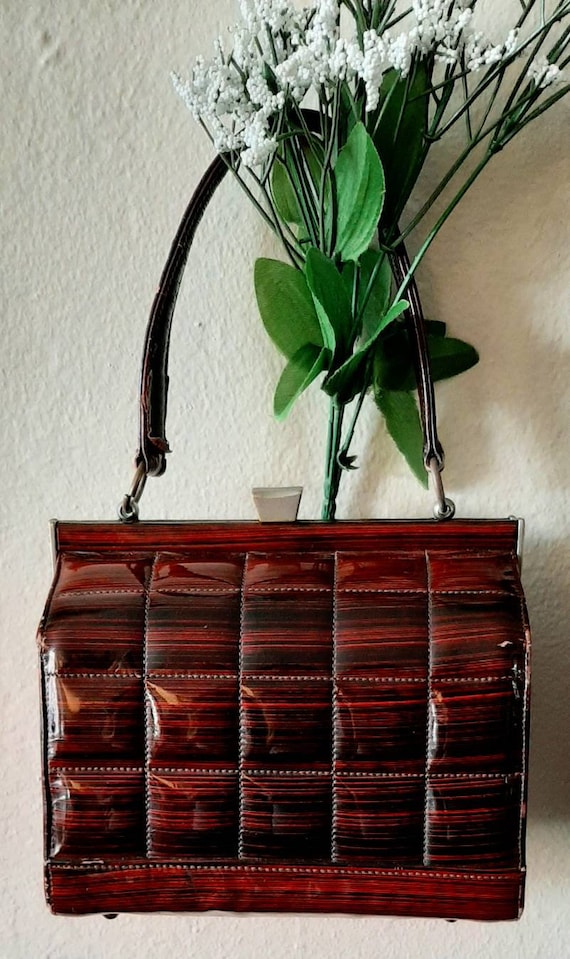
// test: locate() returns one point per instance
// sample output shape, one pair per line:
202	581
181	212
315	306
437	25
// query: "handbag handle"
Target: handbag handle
153	445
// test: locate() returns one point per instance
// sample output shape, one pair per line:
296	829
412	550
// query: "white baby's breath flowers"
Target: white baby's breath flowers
277	15
313	62
281	52
479	52
544	73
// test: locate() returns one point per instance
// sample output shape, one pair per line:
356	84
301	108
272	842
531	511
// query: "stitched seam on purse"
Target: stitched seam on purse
526	693
71	768
232	771
270	677
473	592
241	741
507	876
198	590
194	771
260	590
382	679
434	592
416	679
302	677
118	674
390	592
334	713
146	785
425	850
135	590
288	772
218	677
499	777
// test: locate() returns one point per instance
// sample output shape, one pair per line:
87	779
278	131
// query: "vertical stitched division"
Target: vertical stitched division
380	706
286	706
476	744
335	720
240	735
429	725
146	717
192	705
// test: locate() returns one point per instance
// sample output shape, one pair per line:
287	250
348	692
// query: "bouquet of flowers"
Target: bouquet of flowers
326	115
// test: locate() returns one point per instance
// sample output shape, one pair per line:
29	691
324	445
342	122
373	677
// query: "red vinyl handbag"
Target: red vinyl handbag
303	717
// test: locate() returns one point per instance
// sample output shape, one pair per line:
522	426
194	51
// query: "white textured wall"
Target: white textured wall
98	160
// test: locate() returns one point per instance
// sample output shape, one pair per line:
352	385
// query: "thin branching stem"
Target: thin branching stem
326	171
465	84
563	91
347	442
441	221
494	72
389	24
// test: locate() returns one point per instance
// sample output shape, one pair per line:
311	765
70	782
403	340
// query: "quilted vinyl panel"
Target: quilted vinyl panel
326	710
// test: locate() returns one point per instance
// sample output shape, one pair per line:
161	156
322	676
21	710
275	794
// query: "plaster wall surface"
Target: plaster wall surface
97	163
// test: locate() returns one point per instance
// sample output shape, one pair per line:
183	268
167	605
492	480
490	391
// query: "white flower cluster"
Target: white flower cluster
544	73
439	27
313	61
280	52
231	95
480	53
277	15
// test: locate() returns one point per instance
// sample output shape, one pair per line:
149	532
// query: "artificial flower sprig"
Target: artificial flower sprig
327	115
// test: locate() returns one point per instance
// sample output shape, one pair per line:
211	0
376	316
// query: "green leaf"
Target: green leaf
450	357
435	328
394	363
360	188
299	373
393	360
348	112
379	298
399	135
332	302
402	417
284	195
348	380
283	190
286	306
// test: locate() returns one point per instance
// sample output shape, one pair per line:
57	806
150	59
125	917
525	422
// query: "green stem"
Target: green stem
302	192
345	448
390	20
443	218
536	113
333	471
454	169
327	166
271	219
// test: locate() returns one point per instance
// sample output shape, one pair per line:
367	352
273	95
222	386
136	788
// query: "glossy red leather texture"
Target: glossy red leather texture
308	717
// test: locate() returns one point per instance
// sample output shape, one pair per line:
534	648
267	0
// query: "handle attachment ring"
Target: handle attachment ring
129	506
444	508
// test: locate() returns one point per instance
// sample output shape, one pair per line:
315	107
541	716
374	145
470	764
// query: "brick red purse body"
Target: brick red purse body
296	717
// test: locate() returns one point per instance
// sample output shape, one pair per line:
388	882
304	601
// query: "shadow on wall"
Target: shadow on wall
526	399
546	575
